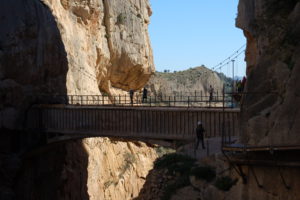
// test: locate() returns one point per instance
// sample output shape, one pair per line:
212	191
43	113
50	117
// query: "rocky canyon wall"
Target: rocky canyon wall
91	169
271	109
270	112
107	43
71	47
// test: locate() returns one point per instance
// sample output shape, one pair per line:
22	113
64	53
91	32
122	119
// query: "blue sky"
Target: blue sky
190	33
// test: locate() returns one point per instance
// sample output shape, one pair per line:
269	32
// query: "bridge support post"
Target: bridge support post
207	147
174	100
201	96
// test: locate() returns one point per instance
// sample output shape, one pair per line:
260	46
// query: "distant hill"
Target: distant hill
187	82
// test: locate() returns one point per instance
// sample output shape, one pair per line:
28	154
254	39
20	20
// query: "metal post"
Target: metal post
201	96
233	83
169	101
223	116
174	100
188	101
150	101
207	147
119	99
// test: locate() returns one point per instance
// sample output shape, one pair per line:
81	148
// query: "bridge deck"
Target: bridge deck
140	122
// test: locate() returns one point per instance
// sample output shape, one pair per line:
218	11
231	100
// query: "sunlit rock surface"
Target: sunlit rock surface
107	44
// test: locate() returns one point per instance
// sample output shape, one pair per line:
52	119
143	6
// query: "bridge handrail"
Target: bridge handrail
138	100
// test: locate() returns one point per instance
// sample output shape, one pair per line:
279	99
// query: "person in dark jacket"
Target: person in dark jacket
211	93
131	93
200	135
145	93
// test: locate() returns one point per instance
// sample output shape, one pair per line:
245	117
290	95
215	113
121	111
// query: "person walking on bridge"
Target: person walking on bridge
200	135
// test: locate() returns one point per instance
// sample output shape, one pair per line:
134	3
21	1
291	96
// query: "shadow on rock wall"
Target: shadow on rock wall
32	52
33	61
58	171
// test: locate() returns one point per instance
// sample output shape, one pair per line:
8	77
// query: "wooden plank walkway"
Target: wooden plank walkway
135	122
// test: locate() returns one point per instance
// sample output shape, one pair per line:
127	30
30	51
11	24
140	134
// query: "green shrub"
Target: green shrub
163	150
121	19
107	184
129	159
172	188
225	183
206	173
175	163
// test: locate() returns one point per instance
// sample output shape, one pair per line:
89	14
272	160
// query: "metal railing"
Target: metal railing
138	100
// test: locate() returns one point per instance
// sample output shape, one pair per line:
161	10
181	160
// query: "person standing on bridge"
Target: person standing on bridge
211	92
200	135
131	93
145	92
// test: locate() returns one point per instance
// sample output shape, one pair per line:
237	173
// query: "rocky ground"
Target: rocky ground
176	176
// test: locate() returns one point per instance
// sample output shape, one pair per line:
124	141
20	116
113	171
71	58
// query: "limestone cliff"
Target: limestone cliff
94	169
271	109
72	47
107	43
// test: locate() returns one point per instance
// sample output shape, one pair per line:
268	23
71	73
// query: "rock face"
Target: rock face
73	47
270	114
117	169
107	44
271	109
95	168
